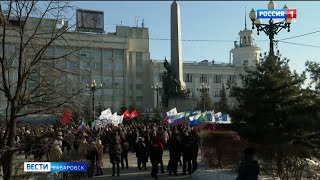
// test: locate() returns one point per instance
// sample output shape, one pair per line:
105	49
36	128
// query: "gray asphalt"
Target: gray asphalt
134	173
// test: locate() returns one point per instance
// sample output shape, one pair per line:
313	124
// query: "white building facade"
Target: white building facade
119	61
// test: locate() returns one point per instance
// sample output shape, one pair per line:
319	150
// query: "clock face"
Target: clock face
92	20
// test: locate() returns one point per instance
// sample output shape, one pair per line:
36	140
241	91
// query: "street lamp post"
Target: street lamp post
157	89
203	90
93	87
272	28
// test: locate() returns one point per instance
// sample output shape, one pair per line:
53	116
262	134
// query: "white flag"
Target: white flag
120	119
172	112
105	114
114	119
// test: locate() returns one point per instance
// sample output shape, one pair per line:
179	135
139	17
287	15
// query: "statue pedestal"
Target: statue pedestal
180	103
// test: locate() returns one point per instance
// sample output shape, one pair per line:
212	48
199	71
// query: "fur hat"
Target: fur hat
56	142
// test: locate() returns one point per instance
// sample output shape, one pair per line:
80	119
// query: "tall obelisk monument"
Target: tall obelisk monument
176	51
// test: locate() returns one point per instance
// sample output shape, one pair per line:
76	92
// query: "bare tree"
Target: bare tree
32	78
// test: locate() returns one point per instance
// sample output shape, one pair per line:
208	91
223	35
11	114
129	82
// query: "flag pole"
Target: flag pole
134	122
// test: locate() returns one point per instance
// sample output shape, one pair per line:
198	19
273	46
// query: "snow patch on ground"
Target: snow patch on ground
217	174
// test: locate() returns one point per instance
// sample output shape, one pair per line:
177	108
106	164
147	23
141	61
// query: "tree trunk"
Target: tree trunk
7	162
7	159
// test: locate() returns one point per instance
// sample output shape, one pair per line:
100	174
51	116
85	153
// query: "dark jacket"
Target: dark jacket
174	145
93	154
249	169
125	147
115	151
188	145
195	146
156	153
142	151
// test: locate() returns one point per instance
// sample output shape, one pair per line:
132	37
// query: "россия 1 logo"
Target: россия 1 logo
277	13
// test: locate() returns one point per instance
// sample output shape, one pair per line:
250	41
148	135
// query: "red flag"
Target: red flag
134	114
126	115
66	118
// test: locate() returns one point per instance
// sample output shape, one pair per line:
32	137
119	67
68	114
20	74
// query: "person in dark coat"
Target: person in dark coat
159	137
92	156
187	151
115	151
174	146
142	154
156	152
195	149
249	167
124	155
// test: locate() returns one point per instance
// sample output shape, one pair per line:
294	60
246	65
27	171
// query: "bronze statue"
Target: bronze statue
171	86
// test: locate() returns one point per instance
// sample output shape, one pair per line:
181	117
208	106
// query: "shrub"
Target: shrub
222	148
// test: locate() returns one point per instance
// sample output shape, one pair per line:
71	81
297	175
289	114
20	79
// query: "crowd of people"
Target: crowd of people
147	141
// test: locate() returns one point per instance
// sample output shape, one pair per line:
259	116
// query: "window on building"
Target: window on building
231	78
108	92
139	86
84	64
96	54
97	65
84	78
119	54
59	52
188	78
203	78
107	54
139	75
107	80
119	67
118	81
59	64
83	52
120	92
217	78
74	65
49	52
98	80
160	77
139	58
107	66
217	93
245	62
